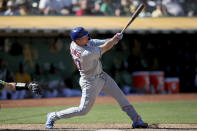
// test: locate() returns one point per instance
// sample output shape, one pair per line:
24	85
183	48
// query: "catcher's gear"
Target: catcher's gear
2	83
35	88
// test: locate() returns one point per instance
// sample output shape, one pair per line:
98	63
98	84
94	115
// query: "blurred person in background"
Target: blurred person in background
3	4
39	76
173	7
55	7
145	13
84	8
149	5
160	11
107	8
5	75
22	5
75	6
126	8
66	89
11	8
23	77
190	7
97	6
3	69
54	82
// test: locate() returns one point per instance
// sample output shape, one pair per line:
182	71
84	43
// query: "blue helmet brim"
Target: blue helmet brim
85	33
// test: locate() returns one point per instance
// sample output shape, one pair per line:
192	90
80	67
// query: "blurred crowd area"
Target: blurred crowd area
48	61
50	80
153	8
27	59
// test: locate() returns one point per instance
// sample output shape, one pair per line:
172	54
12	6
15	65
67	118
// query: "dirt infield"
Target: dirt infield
98	126
99	100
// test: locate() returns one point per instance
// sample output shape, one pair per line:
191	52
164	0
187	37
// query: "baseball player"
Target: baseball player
86	54
33	86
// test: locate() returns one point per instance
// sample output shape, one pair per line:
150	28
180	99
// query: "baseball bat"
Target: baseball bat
135	14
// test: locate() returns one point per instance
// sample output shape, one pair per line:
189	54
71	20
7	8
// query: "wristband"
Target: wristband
21	86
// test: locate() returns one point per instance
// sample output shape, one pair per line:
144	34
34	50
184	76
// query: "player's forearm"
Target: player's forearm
109	44
99	42
6	85
10	85
15	86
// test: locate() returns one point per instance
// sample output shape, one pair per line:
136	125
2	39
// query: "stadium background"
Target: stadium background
165	44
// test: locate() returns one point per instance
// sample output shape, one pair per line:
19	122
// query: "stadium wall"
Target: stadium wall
150	44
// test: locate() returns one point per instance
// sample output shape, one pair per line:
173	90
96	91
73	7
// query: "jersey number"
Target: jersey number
77	62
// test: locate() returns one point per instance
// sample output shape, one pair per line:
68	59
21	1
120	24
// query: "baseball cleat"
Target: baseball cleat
140	124
49	123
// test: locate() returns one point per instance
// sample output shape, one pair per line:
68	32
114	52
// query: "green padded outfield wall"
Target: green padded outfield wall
44	51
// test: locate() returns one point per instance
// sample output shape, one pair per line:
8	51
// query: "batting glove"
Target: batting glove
119	36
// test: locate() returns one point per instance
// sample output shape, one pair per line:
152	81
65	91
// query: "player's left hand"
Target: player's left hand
119	36
35	88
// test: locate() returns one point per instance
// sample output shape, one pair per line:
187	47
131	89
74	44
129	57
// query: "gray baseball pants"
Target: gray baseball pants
90	90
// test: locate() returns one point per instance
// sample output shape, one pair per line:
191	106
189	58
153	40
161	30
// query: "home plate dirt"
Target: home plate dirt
97	126
100	127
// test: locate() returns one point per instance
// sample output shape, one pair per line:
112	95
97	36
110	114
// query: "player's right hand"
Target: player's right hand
119	36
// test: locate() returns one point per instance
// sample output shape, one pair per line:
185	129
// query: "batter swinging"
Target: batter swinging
86	54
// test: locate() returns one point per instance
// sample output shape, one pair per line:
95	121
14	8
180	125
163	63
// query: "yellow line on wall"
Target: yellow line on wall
68	22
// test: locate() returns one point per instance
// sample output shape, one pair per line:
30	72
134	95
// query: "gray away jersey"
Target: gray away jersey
87	58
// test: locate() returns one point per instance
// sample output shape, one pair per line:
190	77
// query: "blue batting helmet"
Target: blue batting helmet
78	33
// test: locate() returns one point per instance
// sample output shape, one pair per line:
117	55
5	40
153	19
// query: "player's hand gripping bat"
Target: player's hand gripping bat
135	14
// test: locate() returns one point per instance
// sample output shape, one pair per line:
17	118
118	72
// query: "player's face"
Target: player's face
83	41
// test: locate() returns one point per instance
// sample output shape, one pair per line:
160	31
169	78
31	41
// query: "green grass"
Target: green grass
154	112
